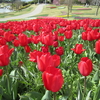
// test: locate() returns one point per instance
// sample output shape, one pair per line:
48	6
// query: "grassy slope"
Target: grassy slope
16	13
57	12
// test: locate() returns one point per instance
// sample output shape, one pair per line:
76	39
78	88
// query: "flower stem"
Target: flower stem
54	95
84	85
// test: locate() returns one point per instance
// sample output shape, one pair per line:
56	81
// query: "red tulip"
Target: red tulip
68	34
35	39
52	79
2	41
78	49
97	47
56	60
16	43
85	66
55	35
59	51
61	38
5	53
55	43
27	49
36	27
23	39
9	36
1	72
33	55
68	27
45	49
61	30
47	39
44	61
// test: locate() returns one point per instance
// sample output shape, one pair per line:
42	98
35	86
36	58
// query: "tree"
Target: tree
18	4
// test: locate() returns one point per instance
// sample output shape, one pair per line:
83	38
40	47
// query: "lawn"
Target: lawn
58	11
61	11
20	12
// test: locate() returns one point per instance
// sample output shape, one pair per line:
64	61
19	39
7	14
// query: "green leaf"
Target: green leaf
24	98
80	94
46	96
88	95
14	89
96	77
34	94
97	93
64	98
31	96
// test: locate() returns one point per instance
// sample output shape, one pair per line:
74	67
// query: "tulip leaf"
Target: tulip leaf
97	93
80	94
14	89
88	95
64	98
31	96
96	77
46	96
24	98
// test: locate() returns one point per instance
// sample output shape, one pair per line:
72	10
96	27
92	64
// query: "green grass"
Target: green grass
17	13
47	11
57	12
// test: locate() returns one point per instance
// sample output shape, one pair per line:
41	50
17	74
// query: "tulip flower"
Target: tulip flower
59	51
61	38
27	49
85	66
56	60
45	49
5	53
46	59
52	79
16	43
68	34
61	30
2	41
35	39
23	39
78	49
55	43
97	47
33	55
36	27
9	36
47	39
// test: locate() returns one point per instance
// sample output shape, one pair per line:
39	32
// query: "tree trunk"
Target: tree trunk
97	9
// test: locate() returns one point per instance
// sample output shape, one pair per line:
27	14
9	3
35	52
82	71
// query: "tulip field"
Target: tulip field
50	59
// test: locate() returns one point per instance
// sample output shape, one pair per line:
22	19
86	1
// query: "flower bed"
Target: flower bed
61	7
64	16
84	9
83	18
50	58
48	17
53	7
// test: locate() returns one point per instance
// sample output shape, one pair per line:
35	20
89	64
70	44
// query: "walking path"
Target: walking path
35	12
